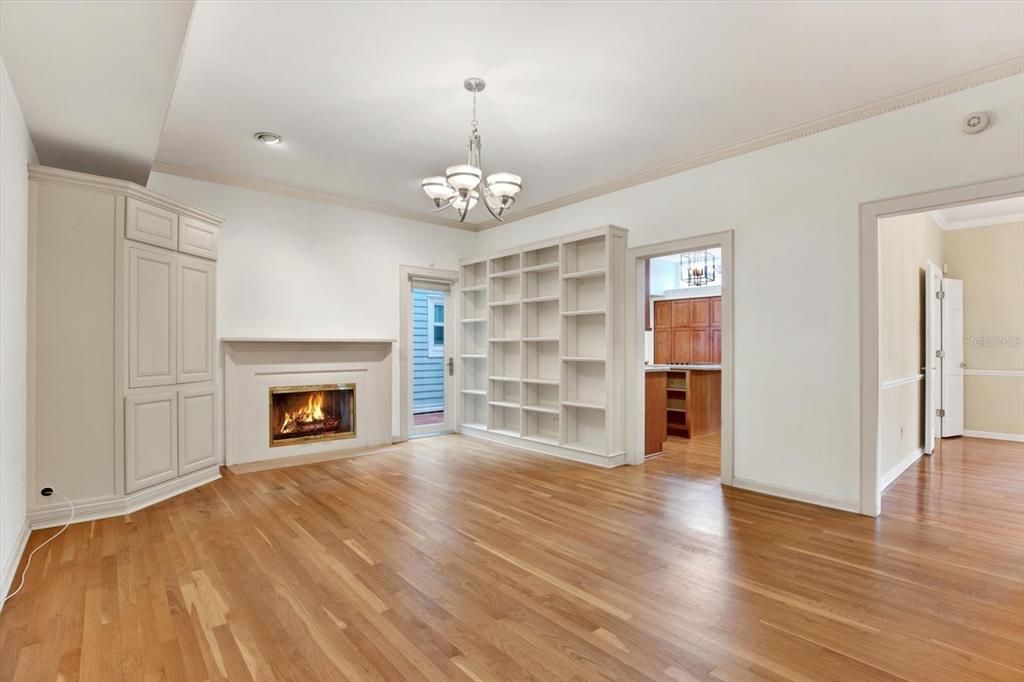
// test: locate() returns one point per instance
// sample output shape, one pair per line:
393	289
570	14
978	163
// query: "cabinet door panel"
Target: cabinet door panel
662	314
716	311
197	238
700	345
196	319
716	345
680	313
151	224
662	346
150	439
151	317
196	431
681	346
700	313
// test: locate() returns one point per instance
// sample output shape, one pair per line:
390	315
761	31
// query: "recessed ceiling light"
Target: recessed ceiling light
268	138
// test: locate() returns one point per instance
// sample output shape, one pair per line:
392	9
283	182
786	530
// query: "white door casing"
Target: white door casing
932	345
152	314
952	357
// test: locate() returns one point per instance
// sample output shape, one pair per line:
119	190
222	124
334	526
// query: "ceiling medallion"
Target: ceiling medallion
461	187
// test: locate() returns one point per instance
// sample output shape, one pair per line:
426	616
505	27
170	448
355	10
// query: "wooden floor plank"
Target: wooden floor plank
454	558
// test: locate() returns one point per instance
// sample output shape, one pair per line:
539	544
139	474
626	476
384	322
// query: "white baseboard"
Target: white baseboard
604	461
992	435
797	495
892	474
112	505
11	564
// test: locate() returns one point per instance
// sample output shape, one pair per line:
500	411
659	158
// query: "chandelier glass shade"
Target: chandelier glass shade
463	185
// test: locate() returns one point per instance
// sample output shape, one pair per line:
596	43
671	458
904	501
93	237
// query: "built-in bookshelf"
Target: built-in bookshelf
541	335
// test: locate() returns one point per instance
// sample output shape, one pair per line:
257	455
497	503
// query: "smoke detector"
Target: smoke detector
975	123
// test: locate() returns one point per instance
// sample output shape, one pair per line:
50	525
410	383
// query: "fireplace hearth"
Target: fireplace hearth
302	414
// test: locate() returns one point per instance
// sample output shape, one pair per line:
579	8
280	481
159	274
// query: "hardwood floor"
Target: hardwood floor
452	558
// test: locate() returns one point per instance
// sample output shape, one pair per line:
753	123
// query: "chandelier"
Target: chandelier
701	267
461	187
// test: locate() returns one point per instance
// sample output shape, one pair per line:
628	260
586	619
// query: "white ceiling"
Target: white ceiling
94	79
996	212
369	97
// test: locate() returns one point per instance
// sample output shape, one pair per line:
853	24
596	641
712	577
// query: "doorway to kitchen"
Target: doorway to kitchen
680	368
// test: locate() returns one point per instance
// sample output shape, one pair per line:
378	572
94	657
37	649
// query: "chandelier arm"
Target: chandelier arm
444	206
463	213
488	205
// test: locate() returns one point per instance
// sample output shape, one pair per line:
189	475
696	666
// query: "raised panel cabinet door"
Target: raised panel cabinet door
150	224
700	313
681	346
662	346
716	311
662	314
196	433
700	345
196	318
150	439
151	318
716	345
681	313
197	237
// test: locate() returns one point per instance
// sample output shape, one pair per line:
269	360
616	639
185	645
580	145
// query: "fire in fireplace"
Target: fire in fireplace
300	414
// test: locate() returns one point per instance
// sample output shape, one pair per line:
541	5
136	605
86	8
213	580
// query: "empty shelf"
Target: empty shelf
478	287
541	339
474	391
506	273
471	425
548	409
541	267
473	356
540	299
496	304
582	359
474	319
595	311
497	340
546	440
503	403
505	432
584	274
586	406
537	380
503	378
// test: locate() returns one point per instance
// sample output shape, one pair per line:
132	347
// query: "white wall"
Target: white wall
796	206
294	268
17	153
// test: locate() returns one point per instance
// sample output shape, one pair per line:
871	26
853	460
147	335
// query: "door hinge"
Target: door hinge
940	294
940	412
940	354
451	367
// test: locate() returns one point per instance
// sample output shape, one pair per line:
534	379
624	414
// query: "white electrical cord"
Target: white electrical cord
29	562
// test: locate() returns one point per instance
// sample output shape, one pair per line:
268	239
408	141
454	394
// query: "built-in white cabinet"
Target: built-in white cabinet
540	346
151	316
124	394
145	222
197	409
196	296
150	438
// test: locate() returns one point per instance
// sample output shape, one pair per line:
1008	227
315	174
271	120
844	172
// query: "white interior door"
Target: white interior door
932	345
432	362
952	357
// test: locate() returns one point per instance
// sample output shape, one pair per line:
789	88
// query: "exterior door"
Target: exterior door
952	357
433	363
152	336
932	363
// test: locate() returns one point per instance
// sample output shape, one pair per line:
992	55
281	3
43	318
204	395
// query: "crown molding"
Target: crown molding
949	225
305	194
1006	69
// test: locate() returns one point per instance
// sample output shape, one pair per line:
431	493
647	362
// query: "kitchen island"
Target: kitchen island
681	400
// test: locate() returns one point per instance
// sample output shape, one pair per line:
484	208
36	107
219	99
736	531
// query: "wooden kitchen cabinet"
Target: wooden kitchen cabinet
662	346
700	345
716	345
662	314
688	331
716	311
681	313
680	346
700	313
655	414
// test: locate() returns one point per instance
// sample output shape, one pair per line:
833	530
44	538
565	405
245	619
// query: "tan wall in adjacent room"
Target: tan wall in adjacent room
906	243
990	261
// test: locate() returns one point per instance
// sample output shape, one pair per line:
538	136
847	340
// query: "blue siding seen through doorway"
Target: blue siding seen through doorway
427	372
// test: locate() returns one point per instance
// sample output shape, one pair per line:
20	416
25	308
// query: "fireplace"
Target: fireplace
301	414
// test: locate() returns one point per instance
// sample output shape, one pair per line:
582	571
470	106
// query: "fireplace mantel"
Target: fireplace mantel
253	366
